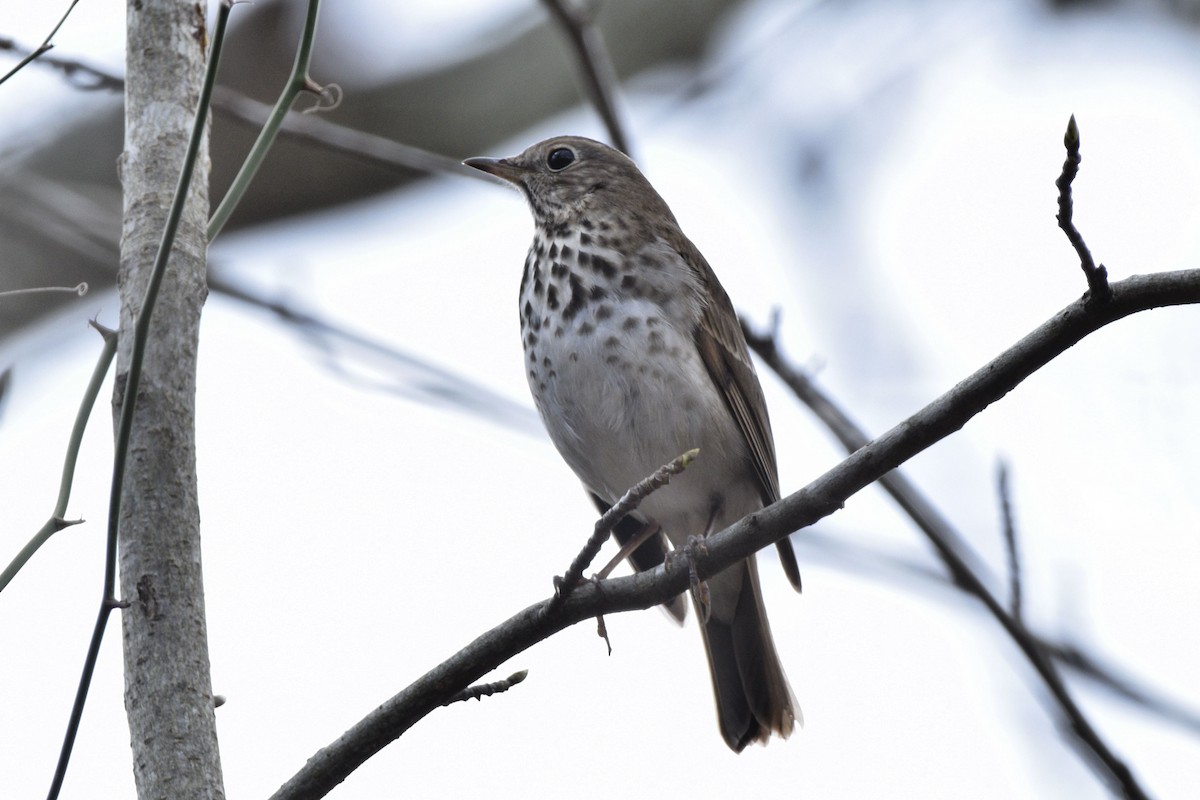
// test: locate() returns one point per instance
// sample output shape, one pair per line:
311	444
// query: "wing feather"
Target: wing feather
723	350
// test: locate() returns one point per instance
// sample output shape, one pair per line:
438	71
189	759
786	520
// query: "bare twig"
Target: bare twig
1010	541
366	147
43	47
629	501
298	81
419	377
1097	276
56	522
822	497
483	690
97	79
843	554
599	77
1088	666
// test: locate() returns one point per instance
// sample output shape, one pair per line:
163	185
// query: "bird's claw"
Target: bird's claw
695	545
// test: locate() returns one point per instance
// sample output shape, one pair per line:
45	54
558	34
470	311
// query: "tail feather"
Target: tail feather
753	697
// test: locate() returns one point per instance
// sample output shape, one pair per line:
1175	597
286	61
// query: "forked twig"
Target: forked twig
43	47
56	522
629	501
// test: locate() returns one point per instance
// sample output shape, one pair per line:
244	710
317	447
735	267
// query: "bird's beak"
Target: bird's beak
502	168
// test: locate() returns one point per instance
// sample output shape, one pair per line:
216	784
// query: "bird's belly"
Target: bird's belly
631	394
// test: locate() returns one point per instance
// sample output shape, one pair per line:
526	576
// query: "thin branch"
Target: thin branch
365	147
43	47
100	80
298	126
56	522
1088	666
299	81
599	77
402	373
488	689
420	378
628	502
1097	276
1010	542
843	554
824	496
141	335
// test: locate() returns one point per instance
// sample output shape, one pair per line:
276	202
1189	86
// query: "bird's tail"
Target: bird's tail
754	699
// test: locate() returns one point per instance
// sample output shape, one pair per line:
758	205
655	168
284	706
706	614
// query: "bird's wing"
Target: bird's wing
724	352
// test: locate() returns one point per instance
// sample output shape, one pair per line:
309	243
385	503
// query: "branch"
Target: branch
43	47
417	377
824	496
628	503
299	81
365	147
56	522
599	77
1097	277
1010	541
1088	666
857	559
69	67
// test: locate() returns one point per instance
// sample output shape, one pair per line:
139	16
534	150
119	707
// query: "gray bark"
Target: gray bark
168	689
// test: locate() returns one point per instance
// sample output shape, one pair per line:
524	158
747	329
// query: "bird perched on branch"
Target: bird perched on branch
634	355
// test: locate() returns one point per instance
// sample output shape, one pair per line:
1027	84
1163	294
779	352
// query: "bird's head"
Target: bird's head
569	176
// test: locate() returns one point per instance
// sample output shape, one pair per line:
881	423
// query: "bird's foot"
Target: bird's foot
695	545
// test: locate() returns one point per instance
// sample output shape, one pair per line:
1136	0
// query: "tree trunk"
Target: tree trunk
168	689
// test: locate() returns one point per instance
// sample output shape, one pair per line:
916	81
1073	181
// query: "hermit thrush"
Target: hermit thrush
634	356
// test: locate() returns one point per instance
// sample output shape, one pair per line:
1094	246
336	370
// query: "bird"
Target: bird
634	355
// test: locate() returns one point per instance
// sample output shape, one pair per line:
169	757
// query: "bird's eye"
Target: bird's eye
560	158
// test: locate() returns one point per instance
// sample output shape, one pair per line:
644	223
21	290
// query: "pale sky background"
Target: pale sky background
884	174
